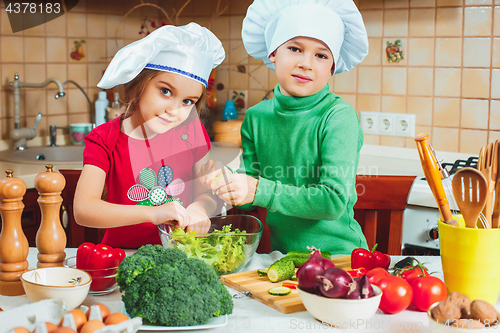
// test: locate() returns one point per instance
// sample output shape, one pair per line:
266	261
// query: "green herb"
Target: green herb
222	249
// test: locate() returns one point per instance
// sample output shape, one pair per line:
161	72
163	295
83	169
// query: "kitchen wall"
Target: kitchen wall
449	77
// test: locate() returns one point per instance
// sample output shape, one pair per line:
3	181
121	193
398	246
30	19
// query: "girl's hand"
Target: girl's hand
197	220
239	190
211	171
170	213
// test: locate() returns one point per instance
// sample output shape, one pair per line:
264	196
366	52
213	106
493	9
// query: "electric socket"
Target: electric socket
369	122
387	123
405	125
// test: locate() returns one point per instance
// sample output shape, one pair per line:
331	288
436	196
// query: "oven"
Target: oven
420	229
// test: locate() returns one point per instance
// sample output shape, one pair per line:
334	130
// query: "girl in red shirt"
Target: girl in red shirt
149	158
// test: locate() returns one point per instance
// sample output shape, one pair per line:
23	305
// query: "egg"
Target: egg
115	318
20	330
65	330
79	316
104	311
50	327
91	326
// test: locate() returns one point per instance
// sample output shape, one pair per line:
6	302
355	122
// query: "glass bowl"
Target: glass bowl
225	252
103	280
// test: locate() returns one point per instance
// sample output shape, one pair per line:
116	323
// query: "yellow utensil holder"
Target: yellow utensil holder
471	261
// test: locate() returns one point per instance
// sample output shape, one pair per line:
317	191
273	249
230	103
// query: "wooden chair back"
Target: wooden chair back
380	209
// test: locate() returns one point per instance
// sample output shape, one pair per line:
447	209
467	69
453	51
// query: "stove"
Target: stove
420	229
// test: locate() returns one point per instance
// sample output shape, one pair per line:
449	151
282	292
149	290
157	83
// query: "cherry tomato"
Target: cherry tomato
414	273
397	294
427	291
376	274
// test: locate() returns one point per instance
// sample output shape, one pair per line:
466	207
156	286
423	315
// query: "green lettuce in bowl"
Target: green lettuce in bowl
227	247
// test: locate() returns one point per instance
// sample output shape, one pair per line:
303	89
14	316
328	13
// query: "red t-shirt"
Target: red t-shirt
170	158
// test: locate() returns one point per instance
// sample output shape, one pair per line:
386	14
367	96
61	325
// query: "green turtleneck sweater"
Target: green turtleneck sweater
305	153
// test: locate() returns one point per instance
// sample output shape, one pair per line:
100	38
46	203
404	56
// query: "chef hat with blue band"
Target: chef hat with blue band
190	50
338	23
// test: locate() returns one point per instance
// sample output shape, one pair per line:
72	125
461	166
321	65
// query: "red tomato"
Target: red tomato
376	274
414	273
427	291
397	294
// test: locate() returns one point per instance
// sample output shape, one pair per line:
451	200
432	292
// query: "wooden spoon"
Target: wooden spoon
470	192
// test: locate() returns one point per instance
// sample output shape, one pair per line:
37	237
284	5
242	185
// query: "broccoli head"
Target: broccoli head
165	287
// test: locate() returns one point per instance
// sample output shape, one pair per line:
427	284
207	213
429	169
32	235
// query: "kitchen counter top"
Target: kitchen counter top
250	315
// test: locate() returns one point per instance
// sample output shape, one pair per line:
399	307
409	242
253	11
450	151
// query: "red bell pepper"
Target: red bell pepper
369	259
99	261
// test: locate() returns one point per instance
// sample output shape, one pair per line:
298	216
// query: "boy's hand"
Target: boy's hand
211	171
239	190
197	220
170	213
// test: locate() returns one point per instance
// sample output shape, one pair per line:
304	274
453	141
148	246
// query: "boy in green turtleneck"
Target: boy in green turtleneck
301	148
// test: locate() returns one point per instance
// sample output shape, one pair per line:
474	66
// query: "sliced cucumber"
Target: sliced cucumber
262	271
280	270
279	291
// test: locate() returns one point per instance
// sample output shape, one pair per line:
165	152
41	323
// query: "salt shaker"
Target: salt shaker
50	238
14	246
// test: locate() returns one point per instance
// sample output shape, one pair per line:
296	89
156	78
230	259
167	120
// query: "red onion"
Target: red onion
354	289
335	282
366	288
316	265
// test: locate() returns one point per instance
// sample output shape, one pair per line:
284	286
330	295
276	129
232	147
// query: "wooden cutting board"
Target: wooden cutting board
258	287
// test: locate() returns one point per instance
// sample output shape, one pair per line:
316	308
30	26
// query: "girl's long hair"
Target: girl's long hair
135	88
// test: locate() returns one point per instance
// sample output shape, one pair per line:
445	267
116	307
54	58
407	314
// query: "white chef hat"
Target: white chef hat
337	23
190	50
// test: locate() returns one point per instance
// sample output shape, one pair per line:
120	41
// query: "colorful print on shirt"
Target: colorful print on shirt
156	190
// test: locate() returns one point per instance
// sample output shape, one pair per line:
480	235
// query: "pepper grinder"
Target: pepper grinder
14	246
50	238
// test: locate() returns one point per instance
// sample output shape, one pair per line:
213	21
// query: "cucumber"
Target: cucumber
280	270
298	261
305	254
279	291
262	271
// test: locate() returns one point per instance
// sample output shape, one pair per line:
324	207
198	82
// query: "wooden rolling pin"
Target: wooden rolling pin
433	176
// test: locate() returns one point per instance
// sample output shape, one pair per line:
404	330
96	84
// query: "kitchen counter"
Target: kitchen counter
250	315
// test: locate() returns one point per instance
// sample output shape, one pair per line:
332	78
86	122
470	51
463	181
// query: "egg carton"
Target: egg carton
33	316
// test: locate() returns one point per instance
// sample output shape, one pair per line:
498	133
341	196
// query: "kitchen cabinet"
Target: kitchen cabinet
76	234
31	216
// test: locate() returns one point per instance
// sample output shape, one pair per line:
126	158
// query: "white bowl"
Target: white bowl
455	327
340	312
69	284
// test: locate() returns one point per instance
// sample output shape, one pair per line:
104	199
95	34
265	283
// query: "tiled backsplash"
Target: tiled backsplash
449	78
